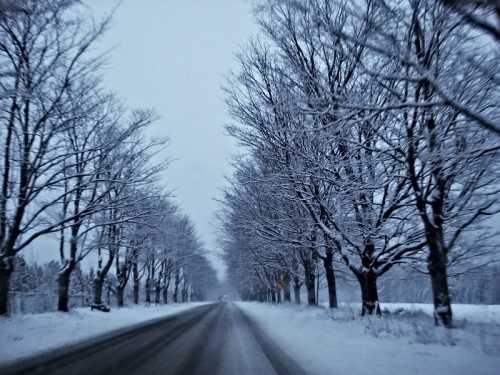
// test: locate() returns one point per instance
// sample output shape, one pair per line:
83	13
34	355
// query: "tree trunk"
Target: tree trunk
98	285
148	291
176	287
278	296
165	292
108	293
157	292
122	276
165	295
437	266
135	275
5	272
263	296
296	290
119	295
330	279
286	288
63	282
369	293
310	278
100	277
308	263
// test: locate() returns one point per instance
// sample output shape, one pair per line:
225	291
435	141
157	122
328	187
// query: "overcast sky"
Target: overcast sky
173	56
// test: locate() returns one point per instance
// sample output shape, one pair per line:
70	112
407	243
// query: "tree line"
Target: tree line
77	164
174	274
371	131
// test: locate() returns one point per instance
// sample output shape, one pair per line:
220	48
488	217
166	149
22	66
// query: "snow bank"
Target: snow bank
25	335
341	342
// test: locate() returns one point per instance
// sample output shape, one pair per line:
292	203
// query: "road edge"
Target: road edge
24	364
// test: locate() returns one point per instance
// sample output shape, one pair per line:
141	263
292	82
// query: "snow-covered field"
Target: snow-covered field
471	313
25	335
341	342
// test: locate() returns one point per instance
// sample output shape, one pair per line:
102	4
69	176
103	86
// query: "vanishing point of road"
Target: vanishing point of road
216	339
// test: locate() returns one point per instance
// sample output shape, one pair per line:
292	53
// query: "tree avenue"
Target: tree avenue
77	164
371	131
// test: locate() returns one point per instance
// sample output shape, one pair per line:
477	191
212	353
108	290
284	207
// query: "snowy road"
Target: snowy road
212	339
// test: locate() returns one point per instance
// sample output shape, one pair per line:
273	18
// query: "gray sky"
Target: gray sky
173	56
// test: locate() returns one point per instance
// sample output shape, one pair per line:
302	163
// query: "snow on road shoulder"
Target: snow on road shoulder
25	335
471	313
344	343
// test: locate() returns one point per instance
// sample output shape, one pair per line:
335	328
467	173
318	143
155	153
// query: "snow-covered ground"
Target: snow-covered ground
341	342
25	335
471	313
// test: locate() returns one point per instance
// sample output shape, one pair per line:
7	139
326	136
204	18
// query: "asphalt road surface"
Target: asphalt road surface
213	339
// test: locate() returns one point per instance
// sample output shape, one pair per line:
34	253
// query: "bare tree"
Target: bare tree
351	119
45	49
478	14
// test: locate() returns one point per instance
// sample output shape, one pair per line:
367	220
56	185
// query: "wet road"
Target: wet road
213	339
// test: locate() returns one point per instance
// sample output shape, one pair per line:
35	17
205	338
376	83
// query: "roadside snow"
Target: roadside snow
471	313
341	342
25	335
